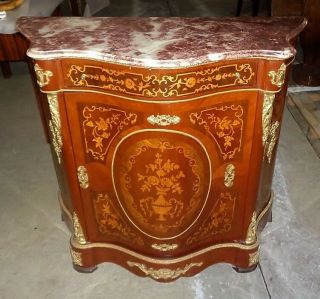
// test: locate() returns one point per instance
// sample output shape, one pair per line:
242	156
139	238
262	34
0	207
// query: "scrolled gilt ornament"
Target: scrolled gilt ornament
252	230
163	120
55	124
164	273
278	77
254	258
268	100
77	230
43	76
76	257
273	139
229	175
164	247
83	177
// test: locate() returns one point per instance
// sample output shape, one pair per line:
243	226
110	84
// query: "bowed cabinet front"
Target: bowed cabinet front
164	170
160	181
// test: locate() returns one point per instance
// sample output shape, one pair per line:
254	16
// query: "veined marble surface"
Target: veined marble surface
159	41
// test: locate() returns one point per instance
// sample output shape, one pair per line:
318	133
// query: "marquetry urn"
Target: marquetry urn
164	134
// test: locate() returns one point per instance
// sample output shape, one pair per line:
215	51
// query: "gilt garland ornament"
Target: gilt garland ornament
164	247
273	139
163	120
164	273
268	100
252	230
77	230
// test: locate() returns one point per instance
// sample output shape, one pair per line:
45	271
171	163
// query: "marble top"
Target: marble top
159	41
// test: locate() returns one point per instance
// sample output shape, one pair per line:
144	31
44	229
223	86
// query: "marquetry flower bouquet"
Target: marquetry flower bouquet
164	178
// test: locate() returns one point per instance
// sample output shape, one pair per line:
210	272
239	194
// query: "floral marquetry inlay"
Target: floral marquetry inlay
165	85
225	125
219	221
165	177
162	183
110	222
101	125
164	134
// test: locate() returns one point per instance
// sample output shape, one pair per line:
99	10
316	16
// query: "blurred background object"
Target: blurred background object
308	72
87	7
10	4
255	5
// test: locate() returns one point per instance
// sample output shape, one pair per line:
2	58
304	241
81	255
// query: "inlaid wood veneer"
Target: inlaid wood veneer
164	134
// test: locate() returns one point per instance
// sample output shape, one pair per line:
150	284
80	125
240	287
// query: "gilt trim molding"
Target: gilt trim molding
77	230
55	124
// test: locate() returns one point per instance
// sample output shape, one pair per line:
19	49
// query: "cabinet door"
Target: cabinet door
163	177
226	125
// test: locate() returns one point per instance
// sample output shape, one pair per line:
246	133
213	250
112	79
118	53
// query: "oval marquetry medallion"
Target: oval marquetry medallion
162	181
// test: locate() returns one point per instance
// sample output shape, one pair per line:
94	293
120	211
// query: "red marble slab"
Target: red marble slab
159	41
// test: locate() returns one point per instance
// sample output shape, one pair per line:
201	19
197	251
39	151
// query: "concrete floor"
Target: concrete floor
34	250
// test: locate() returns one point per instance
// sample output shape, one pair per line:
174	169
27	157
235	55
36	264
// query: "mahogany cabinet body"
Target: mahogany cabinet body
164	171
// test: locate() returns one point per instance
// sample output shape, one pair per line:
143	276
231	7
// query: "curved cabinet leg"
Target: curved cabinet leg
245	270
78	262
84	269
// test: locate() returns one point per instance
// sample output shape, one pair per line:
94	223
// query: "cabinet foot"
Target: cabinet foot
245	270
84	269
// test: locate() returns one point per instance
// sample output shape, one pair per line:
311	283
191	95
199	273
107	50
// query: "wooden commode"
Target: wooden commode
163	134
